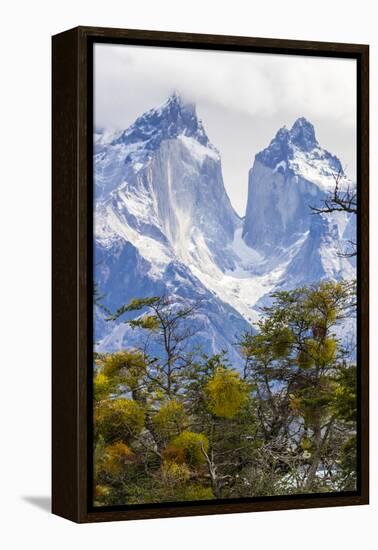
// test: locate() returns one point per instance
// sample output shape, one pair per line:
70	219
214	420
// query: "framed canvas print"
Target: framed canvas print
210	274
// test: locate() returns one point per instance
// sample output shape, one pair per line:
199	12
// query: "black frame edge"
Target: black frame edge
363	187
65	413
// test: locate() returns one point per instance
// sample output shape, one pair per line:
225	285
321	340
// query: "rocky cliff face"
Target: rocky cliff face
163	218
293	174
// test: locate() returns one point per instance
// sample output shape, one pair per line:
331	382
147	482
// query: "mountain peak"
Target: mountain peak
175	98
176	105
174	117
302	134
300	140
302	122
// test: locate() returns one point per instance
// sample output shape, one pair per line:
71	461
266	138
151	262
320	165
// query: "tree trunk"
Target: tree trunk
311	474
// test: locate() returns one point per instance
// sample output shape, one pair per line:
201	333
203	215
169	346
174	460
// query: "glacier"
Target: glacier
164	225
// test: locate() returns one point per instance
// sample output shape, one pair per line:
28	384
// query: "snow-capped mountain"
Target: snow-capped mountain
162	220
168	183
164	224
293	174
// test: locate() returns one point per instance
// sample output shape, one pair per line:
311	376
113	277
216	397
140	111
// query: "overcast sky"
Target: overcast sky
242	99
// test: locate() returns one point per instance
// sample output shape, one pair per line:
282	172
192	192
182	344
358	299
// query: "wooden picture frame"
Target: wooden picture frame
72	111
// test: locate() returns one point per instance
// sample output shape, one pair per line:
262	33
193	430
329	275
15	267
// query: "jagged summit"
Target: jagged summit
177	107
290	149
173	118
293	173
302	134
282	147
176	99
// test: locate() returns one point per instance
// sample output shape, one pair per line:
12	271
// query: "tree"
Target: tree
341	199
165	323
296	361
182	425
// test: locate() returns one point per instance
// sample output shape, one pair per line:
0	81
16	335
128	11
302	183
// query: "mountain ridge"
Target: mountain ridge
164	223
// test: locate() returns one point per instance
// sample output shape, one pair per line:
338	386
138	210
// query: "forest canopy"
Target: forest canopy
186	426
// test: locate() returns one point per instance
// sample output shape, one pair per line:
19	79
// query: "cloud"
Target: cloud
254	84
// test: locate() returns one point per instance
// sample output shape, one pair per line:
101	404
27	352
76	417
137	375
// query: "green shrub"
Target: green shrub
119	420
170	419
187	447
226	393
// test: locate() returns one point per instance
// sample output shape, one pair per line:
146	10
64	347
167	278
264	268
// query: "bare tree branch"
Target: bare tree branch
340	200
